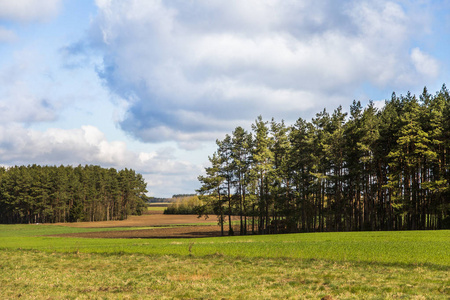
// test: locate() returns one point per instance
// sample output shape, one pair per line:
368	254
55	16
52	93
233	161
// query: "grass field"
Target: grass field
156	208
358	265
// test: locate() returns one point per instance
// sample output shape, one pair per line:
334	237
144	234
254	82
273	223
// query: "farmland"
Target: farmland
54	261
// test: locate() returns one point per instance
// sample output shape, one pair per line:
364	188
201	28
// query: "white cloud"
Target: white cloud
24	92
29	10
191	70
424	63
379	104
88	145
163	185
19	105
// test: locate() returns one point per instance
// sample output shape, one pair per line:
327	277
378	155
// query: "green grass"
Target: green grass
156	208
351	265
7	231
39	275
404	247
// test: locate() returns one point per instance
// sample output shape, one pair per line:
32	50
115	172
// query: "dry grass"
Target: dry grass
38	275
364	265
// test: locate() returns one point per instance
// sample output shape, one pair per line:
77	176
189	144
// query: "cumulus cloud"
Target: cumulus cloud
424	63
29	10
88	145
190	70
84	145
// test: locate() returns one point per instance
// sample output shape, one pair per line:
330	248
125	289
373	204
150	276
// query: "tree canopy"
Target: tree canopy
370	169
40	194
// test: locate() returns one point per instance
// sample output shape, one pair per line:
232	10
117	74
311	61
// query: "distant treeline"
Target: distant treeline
371	169
40	194
183	195
186	205
158	200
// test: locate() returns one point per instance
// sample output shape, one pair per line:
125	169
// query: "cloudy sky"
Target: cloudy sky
150	85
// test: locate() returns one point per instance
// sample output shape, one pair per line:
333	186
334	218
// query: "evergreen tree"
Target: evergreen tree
240	155
226	171
376	170
281	179
211	186
262	158
36	194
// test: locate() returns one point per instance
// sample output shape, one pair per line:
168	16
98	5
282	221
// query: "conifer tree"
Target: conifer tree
375	170
212	186
262	158
224	152
240	154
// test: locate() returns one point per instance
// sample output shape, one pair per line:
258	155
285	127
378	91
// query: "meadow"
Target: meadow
348	265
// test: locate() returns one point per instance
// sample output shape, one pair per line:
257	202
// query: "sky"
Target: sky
150	85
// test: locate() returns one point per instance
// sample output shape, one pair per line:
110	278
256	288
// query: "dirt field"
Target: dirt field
174	232
155	218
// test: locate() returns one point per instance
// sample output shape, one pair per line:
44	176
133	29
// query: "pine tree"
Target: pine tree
262	159
281	179
226	171
371	187
378	170
321	168
240	154
301	166
333	148
352	157
212	185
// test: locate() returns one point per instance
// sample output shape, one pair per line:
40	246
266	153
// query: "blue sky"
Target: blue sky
150	85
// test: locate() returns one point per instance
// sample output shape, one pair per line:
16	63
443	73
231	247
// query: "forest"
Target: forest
49	194
369	169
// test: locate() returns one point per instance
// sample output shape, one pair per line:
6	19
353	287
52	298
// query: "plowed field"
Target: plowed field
192	227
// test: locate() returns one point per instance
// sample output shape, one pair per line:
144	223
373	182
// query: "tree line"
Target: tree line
369	169
186	205
48	194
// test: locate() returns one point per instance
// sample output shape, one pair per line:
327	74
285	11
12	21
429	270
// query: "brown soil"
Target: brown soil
173	232
195	230
155	218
